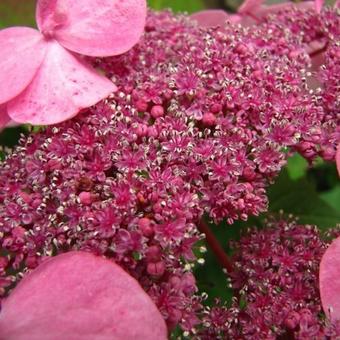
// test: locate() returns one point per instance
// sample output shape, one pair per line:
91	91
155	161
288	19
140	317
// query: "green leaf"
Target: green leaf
299	197
332	197
10	136
17	13
189	6
297	166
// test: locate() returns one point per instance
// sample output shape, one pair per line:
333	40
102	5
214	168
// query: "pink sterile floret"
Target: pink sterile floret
78	295
93	27
75	86
22	52
330	280
43	80
214	17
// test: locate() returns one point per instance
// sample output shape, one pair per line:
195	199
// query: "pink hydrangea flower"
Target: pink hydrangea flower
78	295
250	12
276	271
44	80
253	12
214	17
196	128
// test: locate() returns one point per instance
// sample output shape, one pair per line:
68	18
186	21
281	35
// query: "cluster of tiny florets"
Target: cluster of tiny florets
200	124
319	33
276	272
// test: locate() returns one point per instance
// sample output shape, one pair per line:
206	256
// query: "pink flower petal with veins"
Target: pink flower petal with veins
63	85
214	17
22	51
330	281
78	295
93	27
4	117
250	6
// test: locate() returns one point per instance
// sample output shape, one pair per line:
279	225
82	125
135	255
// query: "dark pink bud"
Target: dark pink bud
209	119
157	111
141	105
152	131
85	198
215	108
292	320
153	254
156	269
328	154
146	227
142	130
249	174
175	282
188	283
306	316
241	48
3	263
31	262
18	232
25	196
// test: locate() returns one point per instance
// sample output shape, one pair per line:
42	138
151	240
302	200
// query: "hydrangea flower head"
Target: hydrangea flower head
276	272
193	129
44	80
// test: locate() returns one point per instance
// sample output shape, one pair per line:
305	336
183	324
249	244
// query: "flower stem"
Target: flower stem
319	51
215	246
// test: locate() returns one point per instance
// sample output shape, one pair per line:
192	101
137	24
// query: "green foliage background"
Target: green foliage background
310	193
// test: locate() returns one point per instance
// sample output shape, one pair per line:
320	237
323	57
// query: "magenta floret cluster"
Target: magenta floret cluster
201	124
319	33
276	276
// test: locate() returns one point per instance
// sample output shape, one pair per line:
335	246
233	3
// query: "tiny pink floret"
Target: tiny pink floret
157	111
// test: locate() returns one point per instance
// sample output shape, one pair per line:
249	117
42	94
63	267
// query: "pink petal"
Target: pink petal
22	51
272	9
214	17
4	118
250	6
337	159
318	5
256	9
63	85
78	295
93	27
330	281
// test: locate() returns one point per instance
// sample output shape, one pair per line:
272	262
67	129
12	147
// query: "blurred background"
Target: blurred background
21	12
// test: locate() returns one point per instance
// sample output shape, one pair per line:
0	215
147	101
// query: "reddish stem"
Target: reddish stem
215	246
319	51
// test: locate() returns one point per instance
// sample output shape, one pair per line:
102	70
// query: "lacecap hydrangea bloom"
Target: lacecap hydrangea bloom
276	277
195	128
